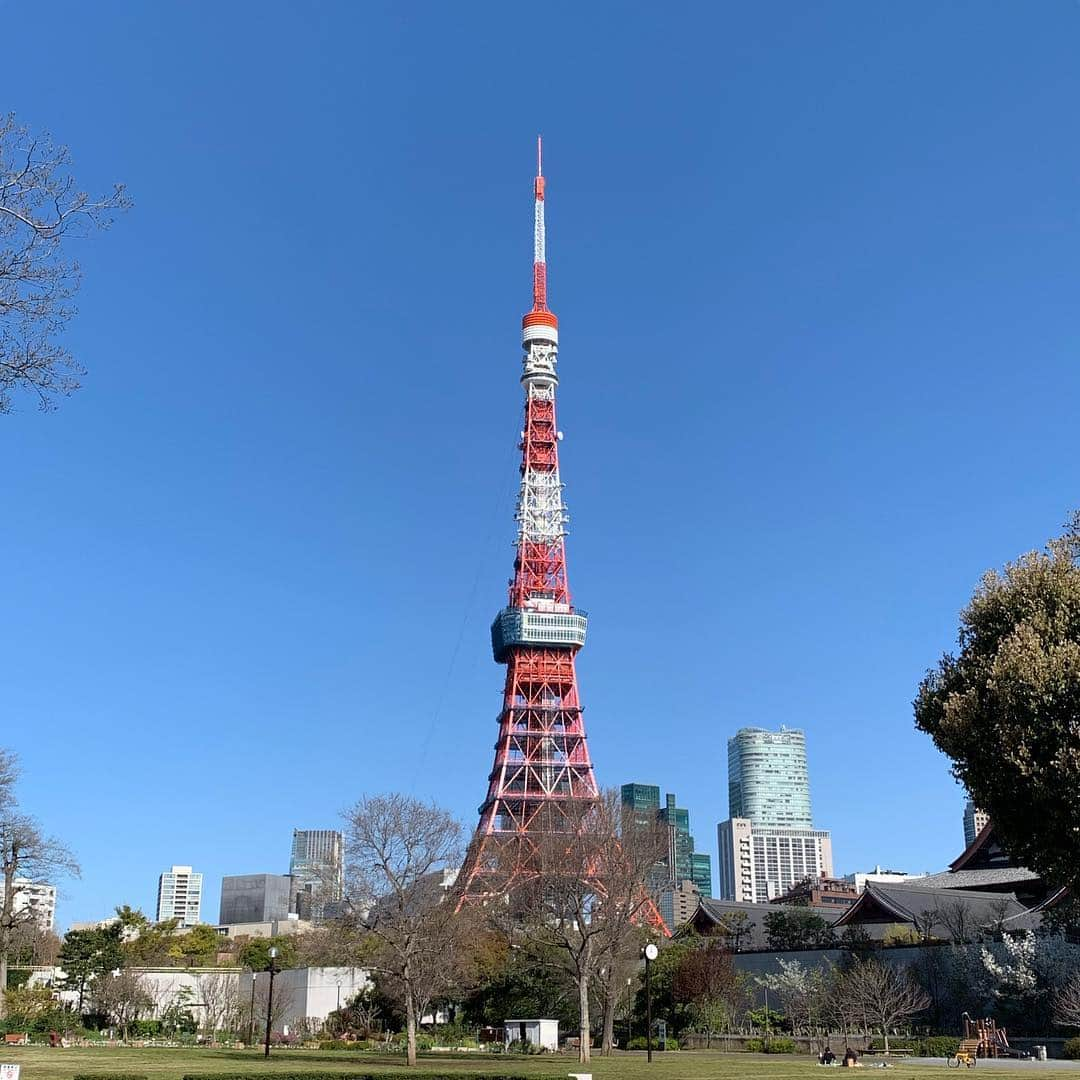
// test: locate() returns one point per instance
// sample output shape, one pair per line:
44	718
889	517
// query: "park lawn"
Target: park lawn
162	1063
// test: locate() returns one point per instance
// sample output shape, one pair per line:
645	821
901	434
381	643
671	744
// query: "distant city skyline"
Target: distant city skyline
792	303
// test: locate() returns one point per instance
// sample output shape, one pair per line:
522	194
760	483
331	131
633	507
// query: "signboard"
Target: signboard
9	1072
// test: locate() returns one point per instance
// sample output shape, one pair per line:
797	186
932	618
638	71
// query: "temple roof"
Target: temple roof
929	908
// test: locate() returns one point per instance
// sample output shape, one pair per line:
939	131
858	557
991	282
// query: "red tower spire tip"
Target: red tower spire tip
540	315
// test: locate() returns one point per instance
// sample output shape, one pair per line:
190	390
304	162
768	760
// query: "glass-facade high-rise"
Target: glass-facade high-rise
681	863
701	872
317	868
974	822
680	842
642	800
768	781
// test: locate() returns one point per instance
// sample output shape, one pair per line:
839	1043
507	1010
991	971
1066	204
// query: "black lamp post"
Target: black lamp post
251	1012
270	1001
650	952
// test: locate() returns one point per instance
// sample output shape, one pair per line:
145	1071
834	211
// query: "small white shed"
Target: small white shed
541	1033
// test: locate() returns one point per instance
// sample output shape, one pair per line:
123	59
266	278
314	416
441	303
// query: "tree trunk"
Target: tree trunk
410	1025
584	1036
607	1044
3	979
885	1032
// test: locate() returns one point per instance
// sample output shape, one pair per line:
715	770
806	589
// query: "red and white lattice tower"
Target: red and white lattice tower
541	756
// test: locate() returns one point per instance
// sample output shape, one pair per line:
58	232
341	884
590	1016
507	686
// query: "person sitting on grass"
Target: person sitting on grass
851	1059
827	1056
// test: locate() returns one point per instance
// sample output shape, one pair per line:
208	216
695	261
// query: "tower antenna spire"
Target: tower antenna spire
539	238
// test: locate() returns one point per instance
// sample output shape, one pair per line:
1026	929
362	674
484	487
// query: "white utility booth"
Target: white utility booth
541	1033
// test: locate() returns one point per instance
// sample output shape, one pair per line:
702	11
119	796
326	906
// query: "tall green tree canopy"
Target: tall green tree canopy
1006	706
255	953
88	954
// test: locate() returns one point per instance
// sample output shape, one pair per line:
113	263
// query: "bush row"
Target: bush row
638	1043
110	1076
1071	1049
942	1046
413	1075
770	1046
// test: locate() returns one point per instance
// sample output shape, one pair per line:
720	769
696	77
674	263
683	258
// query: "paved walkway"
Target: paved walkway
1070	1068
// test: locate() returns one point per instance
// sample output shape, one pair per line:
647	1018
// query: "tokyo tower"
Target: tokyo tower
541	756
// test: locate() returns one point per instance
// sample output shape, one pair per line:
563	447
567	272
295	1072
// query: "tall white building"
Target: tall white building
179	896
33	899
761	862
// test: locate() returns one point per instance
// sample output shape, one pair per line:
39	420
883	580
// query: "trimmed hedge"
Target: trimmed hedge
770	1046
110	1076
1071	1049
935	1046
413	1074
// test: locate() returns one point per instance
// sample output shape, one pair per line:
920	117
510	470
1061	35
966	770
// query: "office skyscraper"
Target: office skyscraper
769	842
974	822
768	782
643	800
255	898
758	864
317	869
681	862
179	896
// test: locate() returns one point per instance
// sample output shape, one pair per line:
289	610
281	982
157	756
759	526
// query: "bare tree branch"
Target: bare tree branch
41	207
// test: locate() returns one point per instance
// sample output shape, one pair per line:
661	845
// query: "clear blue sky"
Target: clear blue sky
817	270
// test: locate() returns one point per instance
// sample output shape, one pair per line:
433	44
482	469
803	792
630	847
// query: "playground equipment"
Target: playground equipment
983	1038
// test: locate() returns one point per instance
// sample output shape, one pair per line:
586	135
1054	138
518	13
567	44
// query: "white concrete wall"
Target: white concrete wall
312	994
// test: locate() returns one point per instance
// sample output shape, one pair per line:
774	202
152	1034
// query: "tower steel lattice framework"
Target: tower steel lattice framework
541	754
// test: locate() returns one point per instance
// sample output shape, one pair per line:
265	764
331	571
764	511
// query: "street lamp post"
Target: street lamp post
650	952
629	1013
270	1000
251	1012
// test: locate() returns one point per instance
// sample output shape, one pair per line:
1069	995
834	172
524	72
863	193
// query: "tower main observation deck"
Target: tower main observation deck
541	755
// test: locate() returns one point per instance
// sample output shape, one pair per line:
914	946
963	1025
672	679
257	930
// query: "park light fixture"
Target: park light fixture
270	1000
650	953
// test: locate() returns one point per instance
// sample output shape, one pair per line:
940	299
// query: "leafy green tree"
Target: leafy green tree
512	983
145	943
87	954
665	1002
785	930
197	947
1006	707
255	953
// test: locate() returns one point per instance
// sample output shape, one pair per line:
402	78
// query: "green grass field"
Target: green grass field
43	1063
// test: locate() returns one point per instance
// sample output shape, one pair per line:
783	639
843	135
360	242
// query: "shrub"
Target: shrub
109	1076
413	1074
771	1046
941	1046
1071	1049
638	1043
